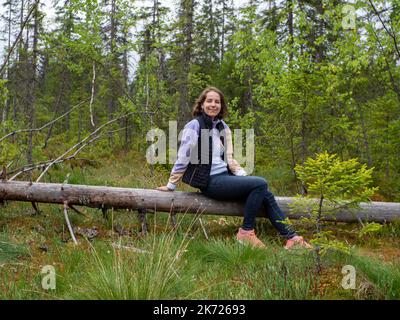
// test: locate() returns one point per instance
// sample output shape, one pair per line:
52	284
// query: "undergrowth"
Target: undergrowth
192	261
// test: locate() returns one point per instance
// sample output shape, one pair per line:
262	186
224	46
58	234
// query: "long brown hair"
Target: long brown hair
197	110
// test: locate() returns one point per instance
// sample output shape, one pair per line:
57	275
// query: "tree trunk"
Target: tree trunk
161	201
114	67
186	17
32	85
56	107
8	101
365	135
290	28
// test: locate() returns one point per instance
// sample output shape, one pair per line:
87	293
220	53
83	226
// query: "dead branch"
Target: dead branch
92	96
44	126
81	142
58	102
391	35
36	208
133	249
68	223
381	49
77	211
71	157
19	36
41	165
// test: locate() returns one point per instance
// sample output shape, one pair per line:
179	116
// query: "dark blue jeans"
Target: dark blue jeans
254	191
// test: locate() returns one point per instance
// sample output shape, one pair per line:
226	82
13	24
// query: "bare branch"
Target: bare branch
77	211
35	207
19	36
381	49
386	29
44	126
68	223
42	165
92	96
80	143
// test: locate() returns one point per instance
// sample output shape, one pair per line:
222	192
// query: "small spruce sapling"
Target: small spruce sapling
332	185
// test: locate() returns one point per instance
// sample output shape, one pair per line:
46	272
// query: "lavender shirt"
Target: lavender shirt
189	140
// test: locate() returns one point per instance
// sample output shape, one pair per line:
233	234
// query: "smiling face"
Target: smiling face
212	104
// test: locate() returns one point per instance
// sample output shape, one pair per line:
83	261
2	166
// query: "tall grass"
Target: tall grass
153	271
11	285
9	250
375	279
232	271
383	277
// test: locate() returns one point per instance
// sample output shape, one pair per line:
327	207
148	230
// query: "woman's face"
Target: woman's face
212	104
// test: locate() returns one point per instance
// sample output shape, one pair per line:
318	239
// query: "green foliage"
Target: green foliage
3	92
8	151
236	120
335	184
370	228
325	242
342	182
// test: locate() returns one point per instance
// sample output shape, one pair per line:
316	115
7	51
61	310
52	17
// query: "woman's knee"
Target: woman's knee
261	182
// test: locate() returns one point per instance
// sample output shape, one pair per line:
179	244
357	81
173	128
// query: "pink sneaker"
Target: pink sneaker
249	237
297	241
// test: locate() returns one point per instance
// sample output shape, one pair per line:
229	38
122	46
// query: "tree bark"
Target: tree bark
290	28
185	57
161	201
32	84
8	101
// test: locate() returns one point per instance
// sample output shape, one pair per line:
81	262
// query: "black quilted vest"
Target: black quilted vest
197	173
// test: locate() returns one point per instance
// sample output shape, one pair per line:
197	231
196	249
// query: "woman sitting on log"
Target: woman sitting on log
218	175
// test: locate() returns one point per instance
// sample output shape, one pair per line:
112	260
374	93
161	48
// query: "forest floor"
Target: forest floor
115	260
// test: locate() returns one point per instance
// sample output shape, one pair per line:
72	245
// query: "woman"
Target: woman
218	175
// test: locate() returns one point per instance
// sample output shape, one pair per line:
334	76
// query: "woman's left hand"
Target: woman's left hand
164	188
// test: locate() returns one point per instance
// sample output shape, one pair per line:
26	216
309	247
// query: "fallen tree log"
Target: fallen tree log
180	202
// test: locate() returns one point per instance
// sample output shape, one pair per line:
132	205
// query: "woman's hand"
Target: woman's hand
164	188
